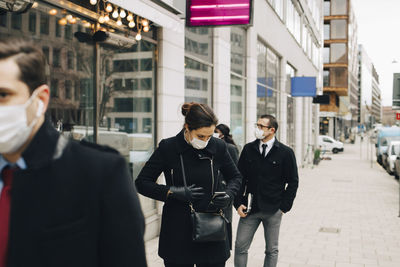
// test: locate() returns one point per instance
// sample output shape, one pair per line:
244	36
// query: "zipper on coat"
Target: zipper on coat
212	172
172	177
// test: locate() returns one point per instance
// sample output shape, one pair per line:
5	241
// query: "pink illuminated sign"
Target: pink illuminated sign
218	12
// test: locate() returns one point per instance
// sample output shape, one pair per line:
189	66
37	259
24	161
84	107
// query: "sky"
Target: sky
379	32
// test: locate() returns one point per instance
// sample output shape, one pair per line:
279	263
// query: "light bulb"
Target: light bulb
53	12
119	22
115	14
106	18
73	20
145	22
122	14
131	24
69	17
62	21
129	17
109	8
35	5
93	2
138	37
101	19
146	28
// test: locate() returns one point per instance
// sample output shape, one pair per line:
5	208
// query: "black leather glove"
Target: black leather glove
221	201
186	194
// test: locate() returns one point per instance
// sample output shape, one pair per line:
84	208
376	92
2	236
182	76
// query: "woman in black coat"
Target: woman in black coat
223	133
203	157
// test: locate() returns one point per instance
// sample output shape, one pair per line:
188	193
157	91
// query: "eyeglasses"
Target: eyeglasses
262	126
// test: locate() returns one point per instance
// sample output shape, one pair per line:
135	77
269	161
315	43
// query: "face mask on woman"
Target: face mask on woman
199	144
216	135
14	128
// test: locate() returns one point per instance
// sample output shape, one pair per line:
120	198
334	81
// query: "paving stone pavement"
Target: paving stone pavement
356	202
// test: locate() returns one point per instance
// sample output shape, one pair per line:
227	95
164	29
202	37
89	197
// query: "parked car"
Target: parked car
396	171
382	142
389	157
327	143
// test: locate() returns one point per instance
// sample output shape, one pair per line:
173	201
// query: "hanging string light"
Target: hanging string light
93	2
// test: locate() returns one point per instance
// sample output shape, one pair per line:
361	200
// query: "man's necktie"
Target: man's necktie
5	201
264	146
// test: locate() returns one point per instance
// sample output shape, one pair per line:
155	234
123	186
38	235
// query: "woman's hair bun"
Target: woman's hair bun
186	107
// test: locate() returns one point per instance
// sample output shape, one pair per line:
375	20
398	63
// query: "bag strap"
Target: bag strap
183	171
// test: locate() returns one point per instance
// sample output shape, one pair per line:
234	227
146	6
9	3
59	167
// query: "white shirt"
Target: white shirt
3	163
269	143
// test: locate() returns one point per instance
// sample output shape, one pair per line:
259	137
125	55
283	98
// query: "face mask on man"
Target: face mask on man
14	128
258	133
216	135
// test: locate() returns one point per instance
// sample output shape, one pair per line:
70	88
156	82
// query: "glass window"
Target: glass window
58	28
146	125
327	8
16	21
54	88
267	82
56	57
44	24
326	54
339	77
146	84
68	89
198	75
290	15
32	22
338	53
327	31
338	29
3	19
326	78
70	60
339	7
129	65
290	72
146	64
68	32
297	25
46	53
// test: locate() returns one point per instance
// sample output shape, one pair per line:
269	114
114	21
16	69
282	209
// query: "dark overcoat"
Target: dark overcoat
272	179
175	243
74	206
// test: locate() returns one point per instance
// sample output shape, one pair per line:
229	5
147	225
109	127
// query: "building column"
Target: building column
251	84
222	74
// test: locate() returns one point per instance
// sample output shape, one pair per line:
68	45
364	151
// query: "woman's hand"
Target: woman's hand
186	194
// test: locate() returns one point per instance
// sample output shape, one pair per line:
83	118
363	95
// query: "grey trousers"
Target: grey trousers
245	233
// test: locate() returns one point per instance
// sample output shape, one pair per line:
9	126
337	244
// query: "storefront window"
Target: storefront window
44	24
16	21
32	22
238	84
290	137
198	65
267	81
3	20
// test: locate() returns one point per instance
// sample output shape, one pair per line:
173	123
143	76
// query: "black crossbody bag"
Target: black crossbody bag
206	226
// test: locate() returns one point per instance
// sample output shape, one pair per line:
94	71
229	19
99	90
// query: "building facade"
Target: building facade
370	93
340	68
126	90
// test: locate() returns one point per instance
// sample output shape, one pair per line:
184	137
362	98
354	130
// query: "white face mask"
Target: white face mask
258	133
216	135
14	128
199	144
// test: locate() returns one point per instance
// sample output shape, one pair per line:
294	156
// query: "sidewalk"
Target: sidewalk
345	215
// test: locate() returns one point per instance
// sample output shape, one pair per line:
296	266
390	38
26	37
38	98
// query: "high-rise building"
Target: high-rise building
340	68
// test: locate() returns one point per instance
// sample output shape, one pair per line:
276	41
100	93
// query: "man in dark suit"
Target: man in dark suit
62	203
269	186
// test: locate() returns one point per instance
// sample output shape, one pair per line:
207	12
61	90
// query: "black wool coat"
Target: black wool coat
272	179
74	206
175	243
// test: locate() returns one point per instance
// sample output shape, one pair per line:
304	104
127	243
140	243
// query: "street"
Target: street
345	215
